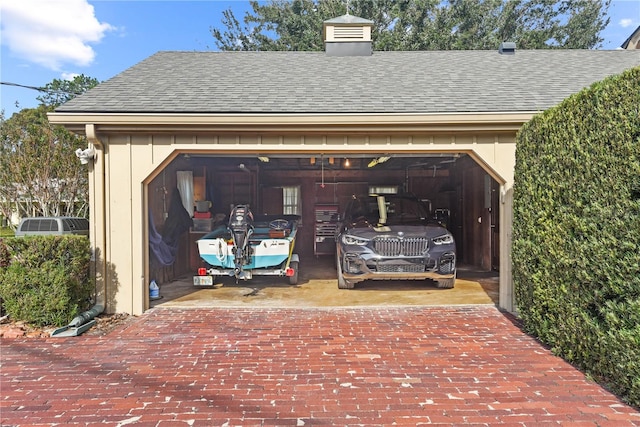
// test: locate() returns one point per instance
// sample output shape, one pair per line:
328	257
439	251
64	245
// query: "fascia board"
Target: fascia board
292	123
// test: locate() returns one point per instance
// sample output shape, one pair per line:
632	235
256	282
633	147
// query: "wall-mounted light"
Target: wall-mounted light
347	163
312	161
263	159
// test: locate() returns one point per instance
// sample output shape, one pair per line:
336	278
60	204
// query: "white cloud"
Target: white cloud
51	32
69	76
624	23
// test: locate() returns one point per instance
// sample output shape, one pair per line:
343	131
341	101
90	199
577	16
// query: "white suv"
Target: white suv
53	225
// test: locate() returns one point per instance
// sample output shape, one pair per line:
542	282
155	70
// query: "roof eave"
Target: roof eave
293	123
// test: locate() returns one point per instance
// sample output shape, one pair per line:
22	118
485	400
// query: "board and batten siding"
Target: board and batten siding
133	160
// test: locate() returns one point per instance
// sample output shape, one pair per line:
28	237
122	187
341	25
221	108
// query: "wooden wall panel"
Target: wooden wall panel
474	238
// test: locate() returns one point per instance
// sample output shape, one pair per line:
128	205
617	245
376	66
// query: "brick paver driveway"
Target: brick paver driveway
462	365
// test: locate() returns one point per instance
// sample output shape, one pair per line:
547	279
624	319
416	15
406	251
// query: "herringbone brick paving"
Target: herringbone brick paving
409	366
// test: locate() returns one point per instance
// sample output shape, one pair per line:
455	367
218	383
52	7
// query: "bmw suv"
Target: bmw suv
392	237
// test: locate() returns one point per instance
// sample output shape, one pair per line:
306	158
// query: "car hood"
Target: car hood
369	231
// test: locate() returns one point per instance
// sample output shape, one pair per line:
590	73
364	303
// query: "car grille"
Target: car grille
392	246
400	268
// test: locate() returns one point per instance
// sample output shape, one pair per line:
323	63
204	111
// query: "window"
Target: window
291	200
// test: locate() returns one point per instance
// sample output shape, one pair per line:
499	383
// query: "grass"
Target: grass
6	232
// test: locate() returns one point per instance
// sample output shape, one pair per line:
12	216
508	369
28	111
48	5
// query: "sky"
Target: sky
43	40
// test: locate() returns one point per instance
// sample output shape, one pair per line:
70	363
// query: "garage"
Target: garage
453	186
306	130
317	186
455	189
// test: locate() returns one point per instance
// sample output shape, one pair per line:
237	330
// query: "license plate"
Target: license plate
202	280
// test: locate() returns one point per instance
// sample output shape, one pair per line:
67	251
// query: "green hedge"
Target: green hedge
45	280
576	231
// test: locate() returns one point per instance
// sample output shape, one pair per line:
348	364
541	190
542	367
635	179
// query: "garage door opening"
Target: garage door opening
457	191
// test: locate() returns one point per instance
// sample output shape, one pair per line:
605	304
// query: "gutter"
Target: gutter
85	320
111	122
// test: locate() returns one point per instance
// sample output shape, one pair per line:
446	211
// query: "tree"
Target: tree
420	24
60	91
39	172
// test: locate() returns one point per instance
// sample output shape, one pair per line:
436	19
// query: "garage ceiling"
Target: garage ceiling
382	162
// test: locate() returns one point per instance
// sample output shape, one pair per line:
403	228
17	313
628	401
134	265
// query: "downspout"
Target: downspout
97	236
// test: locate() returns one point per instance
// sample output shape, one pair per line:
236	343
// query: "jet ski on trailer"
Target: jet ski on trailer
248	246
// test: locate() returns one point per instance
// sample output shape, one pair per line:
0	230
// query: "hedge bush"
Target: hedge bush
45	280
576	231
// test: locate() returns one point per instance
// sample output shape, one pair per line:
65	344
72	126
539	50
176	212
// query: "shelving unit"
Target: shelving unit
325	229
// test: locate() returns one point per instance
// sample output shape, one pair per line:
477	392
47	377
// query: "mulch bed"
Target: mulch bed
105	323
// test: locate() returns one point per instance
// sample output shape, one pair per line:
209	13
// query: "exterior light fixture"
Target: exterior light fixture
347	163
85	155
263	159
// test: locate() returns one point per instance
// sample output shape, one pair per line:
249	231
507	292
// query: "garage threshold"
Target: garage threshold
318	287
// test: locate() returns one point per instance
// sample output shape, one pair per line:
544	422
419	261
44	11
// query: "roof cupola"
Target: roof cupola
348	35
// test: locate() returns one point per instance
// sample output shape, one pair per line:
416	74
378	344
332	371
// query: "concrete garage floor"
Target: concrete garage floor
317	287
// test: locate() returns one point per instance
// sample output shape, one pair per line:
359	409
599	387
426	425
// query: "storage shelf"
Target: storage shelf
325	229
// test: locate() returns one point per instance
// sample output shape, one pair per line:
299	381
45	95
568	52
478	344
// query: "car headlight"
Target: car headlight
445	239
348	239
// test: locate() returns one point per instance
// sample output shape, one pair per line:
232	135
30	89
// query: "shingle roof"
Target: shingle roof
385	82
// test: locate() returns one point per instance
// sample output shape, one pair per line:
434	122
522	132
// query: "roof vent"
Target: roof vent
507	48
347	35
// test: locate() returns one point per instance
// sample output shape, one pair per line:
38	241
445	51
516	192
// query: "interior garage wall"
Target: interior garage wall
134	160
477	220
337	187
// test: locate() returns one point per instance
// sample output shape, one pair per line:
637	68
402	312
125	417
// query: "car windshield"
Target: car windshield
381	209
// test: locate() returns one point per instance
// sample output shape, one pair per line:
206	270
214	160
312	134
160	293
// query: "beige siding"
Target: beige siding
132	160
120	218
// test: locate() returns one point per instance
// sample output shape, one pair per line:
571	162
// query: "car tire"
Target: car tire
293	280
342	283
447	283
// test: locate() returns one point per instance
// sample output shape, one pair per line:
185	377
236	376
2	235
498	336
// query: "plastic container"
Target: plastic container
154	290
202	224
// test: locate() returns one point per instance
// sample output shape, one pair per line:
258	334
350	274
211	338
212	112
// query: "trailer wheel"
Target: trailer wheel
293	280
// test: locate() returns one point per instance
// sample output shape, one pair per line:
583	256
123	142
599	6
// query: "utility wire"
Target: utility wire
41	89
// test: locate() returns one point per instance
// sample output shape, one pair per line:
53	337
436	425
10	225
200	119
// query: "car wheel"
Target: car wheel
342	283
293	280
447	283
